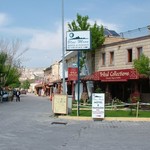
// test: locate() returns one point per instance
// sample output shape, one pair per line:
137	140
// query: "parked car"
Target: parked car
5	96
23	92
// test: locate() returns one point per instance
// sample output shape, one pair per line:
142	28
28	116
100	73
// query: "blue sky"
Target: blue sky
37	23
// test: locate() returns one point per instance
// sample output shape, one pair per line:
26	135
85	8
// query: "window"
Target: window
111	58
139	52
103	58
129	55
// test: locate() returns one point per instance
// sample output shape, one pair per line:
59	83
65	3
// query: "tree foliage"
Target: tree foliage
10	62
3	59
25	84
9	73
81	23
142	64
13	77
98	37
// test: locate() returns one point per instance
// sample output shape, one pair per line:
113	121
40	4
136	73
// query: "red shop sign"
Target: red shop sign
116	75
72	74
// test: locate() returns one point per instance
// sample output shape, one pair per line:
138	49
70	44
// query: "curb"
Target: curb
106	118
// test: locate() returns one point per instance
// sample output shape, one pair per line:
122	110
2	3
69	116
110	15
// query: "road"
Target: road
29	125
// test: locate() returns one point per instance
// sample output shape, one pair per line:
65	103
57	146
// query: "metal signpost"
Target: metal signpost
77	41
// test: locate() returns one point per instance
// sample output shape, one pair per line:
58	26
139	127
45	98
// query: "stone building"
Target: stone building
52	79
114	70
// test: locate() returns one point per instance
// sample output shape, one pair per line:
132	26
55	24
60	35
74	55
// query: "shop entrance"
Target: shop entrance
121	90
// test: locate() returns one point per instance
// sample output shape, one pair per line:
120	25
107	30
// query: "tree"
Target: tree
81	23
13	50
10	62
25	84
98	37
9	74
12	77
142	65
3	59
97	34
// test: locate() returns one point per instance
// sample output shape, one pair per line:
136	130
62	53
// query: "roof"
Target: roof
108	32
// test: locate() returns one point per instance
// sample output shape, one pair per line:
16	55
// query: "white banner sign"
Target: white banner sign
98	105
78	40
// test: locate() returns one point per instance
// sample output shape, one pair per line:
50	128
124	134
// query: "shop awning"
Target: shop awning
39	86
57	81
112	75
50	84
88	78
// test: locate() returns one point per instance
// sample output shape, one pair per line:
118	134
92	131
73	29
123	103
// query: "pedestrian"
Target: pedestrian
13	94
1	95
17	95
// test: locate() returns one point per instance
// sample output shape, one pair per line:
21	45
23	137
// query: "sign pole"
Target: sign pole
78	109
78	41
63	51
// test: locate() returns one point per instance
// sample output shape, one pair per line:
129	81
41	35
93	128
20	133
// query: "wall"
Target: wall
120	53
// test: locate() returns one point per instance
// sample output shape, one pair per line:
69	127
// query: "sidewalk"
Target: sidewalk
106	118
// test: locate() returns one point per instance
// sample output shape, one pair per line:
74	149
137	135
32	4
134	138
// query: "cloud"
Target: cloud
44	45
4	19
36	38
46	40
111	26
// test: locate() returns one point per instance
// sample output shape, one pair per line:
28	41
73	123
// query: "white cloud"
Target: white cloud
37	38
111	26
46	40
107	25
43	43
17	31
4	19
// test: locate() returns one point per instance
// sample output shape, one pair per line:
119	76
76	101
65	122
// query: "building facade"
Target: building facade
114	70
52	79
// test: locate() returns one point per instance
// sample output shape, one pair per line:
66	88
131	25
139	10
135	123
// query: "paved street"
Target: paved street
28	125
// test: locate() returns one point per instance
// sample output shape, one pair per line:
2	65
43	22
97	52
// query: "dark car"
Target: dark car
23	92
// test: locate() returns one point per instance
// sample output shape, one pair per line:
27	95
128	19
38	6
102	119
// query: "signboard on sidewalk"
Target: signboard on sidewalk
98	105
60	105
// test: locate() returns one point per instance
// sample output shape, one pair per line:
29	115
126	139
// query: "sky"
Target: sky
38	23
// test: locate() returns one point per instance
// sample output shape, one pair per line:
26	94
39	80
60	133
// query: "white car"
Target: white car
5	96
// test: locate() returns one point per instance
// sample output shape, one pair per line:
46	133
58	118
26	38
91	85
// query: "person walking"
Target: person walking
17	95
1	95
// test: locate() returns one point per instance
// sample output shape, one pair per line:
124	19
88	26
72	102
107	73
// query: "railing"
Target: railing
113	106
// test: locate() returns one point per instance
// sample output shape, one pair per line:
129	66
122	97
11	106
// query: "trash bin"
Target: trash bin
70	97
